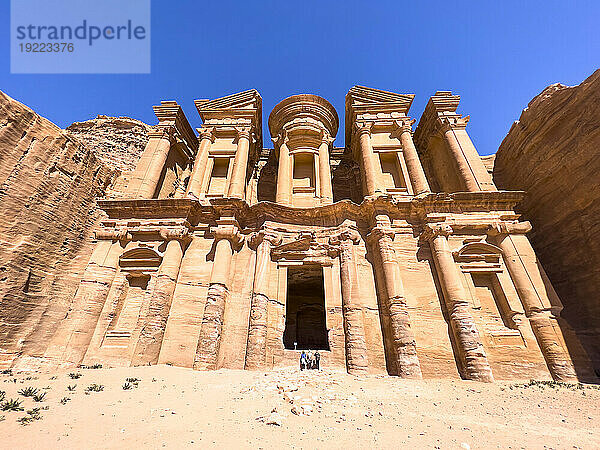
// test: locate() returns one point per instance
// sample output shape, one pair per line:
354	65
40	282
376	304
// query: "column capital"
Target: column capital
280	139
243	132
228	228
433	230
403	126
270	236
117	234
510	228
381	228
207	133
162	131
344	234
360	128
179	233
326	138
451	122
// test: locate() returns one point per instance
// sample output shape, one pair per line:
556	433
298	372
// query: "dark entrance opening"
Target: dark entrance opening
305	322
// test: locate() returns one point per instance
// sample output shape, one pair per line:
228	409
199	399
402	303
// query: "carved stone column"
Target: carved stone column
226	236
447	127
146	175
257	328
284	174
354	329
325	170
469	346
418	180
367	159
237	187
150	341
405	347
74	334
535	301
194	187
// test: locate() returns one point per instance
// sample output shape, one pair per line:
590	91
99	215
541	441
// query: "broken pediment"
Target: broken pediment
362	100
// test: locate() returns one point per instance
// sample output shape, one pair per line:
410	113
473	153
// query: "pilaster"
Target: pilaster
469	345
522	266
227	238
405	347
356	348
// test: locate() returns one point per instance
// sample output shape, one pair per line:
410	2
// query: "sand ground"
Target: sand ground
175	407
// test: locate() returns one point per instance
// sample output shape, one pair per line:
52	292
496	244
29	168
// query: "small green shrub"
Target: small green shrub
28	392
94	388
75	376
39	397
71	388
32	415
11	405
64	400
127	386
2	395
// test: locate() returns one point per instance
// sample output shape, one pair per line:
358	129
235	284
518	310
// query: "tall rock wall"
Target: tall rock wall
551	152
49	181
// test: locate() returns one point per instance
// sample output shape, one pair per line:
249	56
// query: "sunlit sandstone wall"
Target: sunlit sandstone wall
50	180
551	152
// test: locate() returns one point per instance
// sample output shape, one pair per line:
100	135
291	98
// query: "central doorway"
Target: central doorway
305	319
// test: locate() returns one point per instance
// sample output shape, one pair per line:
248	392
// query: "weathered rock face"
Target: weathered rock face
116	141
552	154
49	183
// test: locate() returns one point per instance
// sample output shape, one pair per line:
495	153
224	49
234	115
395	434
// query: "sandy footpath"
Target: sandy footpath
174	407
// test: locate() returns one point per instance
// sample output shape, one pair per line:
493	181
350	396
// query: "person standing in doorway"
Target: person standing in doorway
302	360
317	360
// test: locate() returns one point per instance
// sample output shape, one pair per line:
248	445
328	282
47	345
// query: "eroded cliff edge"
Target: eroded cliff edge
551	152
49	181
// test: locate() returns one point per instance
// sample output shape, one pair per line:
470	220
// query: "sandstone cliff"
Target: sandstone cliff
49	180
552	153
116	141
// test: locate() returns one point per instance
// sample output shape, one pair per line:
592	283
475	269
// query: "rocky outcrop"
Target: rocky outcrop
116	141
49	180
551	152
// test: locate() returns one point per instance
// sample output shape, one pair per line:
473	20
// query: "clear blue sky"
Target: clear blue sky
496	55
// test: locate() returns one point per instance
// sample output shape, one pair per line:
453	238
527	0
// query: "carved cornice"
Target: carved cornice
439	114
364	101
170	114
478	210
240	109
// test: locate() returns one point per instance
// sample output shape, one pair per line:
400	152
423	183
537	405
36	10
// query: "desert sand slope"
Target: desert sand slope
174	407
